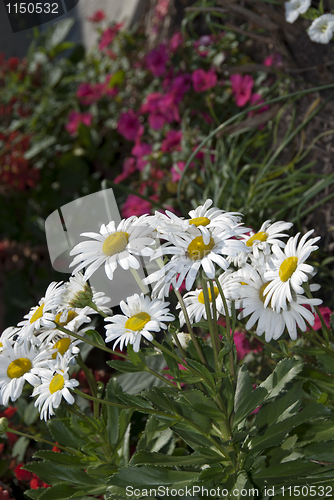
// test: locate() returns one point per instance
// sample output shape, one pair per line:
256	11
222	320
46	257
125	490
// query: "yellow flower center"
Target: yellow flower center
287	268
57	383
137	321
37	314
197	249
260	236
70	315
200	221
62	345
201	295
19	367
262	295
115	243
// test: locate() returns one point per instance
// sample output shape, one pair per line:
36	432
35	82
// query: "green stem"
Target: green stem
92	384
228	330
88	341
124	406
213	333
321	346
94	306
41	440
191	331
159	376
179	344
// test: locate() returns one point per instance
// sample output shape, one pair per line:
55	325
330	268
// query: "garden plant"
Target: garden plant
216	380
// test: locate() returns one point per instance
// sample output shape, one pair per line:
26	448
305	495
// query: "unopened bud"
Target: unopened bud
3	425
82	298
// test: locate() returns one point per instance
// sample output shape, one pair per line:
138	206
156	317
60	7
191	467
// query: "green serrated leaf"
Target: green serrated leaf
147	458
65	459
246	399
124	366
62	433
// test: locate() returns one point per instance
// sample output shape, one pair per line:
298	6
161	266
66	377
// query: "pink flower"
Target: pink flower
172	141
241	88
175	41
75	119
255	100
179	86
128	125
89	93
161	109
274	59
134	205
129	167
203	80
177	170
181	367
161	9
140	150
157	59
108	35
97	17
326	313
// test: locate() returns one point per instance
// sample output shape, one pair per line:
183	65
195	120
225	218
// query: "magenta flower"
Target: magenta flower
140	150
108	35
161	109
172	141
326	314
134	205
242	87
129	167
274	59
128	125
255	100
175	41
203	80
157	59
75	119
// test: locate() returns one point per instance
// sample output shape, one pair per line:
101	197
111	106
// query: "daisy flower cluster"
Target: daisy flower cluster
37	352
322	27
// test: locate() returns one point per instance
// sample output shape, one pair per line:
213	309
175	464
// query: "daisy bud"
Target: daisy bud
3	425
82	298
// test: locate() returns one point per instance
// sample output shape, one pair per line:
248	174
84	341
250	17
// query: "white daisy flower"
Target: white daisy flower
55	385
267	235
113	246
269	321
196	248
322	29
294	8
42	315
71	320
195	303
201	216
10	335
288	270
141	317
18	364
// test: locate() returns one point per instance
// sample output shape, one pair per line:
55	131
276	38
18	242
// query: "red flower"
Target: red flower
9	412
21	474
36	482
128	125
242	88
97	17
157	59
203	80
